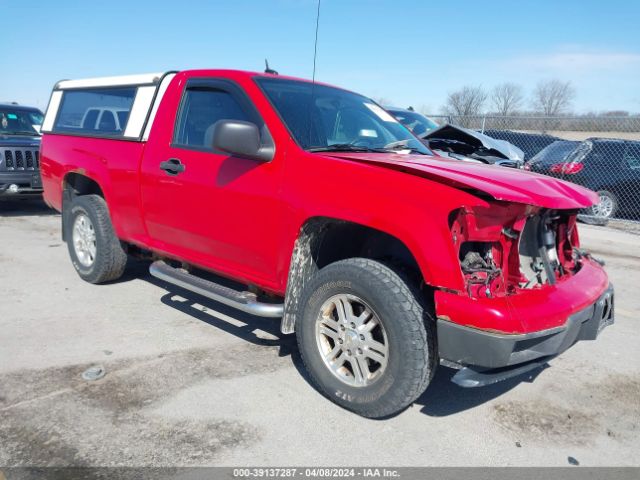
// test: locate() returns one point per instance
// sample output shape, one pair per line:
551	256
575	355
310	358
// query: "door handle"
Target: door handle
173	166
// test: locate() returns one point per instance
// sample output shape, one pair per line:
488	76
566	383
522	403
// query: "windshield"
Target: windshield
556	152
16	121
417	123
336	119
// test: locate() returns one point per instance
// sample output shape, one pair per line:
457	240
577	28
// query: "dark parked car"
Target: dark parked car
553	154
610	167
19	150
529	143
414	121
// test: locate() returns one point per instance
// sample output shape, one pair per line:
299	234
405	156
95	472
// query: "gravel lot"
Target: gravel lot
189	382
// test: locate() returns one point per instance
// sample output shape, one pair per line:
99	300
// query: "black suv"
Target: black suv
19	150
610	167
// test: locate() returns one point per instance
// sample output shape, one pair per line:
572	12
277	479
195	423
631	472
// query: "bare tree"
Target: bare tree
506	98
466	101
553	97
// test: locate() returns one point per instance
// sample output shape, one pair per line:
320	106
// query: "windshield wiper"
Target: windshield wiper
348	147
399	147
343	147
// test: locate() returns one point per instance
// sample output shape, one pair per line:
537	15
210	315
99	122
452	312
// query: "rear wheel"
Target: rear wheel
366	337
95	251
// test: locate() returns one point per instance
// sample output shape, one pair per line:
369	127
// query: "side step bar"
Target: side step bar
244	301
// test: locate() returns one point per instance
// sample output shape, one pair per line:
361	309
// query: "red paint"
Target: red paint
241	218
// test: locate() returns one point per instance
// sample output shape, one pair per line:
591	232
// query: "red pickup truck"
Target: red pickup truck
291	199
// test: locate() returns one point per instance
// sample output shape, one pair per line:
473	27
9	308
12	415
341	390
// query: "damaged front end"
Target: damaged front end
512	247
529	292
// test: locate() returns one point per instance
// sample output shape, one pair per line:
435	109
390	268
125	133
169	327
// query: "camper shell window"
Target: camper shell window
95	111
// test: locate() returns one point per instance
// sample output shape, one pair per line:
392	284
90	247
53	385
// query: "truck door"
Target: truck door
205	206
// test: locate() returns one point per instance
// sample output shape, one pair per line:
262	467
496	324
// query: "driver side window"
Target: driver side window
201	108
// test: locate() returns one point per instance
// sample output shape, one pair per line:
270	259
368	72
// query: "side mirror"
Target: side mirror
242	139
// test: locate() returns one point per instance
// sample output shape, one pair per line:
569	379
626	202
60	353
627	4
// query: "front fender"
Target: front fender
413	209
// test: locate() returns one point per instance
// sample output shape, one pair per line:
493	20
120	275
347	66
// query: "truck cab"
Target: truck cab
296	200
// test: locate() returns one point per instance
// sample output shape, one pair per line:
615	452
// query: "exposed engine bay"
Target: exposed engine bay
514	247
539	261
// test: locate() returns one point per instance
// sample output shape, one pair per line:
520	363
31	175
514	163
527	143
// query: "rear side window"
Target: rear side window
632	155
607	153
201	108
95	111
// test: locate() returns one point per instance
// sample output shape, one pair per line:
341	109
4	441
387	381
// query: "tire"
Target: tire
607	207
102	259
407	328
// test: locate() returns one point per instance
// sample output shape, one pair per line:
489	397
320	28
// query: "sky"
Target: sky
406	52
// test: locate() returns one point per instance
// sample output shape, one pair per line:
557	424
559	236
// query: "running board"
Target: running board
244	301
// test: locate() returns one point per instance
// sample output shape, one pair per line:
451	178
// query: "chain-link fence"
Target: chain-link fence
601	153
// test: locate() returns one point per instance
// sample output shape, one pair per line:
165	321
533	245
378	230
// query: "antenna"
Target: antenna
267	69
313	77
315	43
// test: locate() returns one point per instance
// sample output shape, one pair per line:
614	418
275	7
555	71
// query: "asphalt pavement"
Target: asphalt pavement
190	382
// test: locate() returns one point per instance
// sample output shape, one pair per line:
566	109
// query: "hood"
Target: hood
506	184
477	140
19	141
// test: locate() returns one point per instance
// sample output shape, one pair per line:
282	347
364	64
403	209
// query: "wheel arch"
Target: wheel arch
321	241
77	183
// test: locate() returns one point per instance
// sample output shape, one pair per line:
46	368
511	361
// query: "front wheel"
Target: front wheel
366	337
94	248
607	207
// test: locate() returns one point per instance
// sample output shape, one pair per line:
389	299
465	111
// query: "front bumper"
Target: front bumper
486	350
28	182
492	339
529	311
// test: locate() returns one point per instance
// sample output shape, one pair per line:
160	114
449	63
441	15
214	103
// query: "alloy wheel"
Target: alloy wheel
84	240
352	340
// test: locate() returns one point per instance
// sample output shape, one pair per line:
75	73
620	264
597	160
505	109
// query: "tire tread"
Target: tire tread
111	259
415	313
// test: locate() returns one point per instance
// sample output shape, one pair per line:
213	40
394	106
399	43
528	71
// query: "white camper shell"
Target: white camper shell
121	107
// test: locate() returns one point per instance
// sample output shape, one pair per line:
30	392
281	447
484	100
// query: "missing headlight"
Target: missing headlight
481	273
